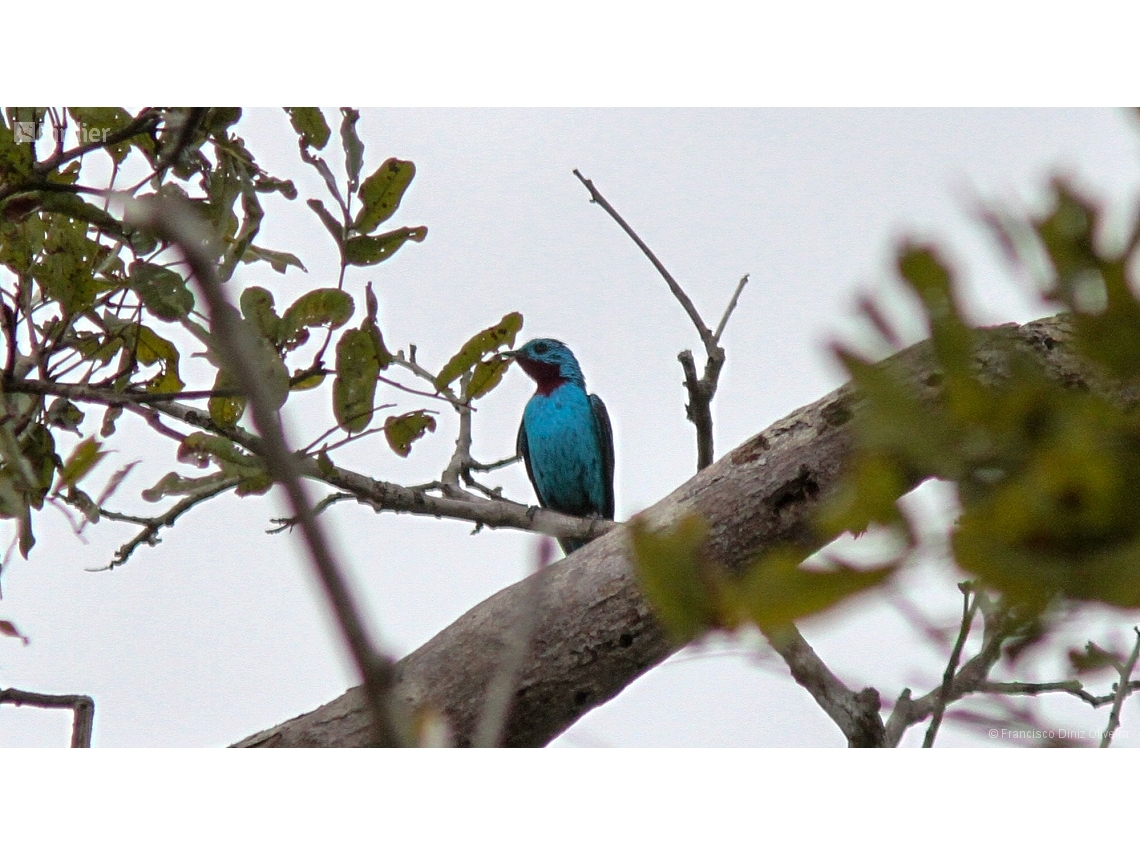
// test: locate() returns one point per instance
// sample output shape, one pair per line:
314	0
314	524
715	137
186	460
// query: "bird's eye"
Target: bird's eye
541	347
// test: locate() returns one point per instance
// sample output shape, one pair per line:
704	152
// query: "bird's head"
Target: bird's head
549	362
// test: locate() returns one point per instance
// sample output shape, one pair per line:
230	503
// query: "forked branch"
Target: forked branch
701	389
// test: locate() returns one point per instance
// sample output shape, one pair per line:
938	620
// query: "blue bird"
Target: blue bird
565	437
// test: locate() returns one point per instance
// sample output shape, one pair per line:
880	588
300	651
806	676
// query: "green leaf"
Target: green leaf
364	251
373	329
151	348
279	261
1093	658
38	447
71	205
173	484
482	343
220	119
334	227
270	373
83	458
354	388
306	379
487	376
252	215
402	431
777	590
95	124
932	282
264	183
64	415
225	410
310	125
257	308
109	418
353	147
162	291
675	576
322	307
382	192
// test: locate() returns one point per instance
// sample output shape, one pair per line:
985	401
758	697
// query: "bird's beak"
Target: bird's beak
510	354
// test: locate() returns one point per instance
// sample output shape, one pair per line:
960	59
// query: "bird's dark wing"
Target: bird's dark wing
605	435
524	452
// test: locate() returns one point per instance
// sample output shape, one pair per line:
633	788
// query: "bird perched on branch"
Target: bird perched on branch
565	437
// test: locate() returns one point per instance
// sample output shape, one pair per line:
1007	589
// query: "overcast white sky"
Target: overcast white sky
218	633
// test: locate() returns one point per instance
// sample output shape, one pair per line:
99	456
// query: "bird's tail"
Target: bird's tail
569	544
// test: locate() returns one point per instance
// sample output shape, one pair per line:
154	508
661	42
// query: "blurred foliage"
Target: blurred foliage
88	302
1047	472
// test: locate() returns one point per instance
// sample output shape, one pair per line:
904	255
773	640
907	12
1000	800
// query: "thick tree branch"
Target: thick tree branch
595	633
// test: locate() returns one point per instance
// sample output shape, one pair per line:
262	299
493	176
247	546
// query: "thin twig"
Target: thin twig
177	224
83	707
151	526
1069	687
434	395
969	609
491	467
705	333
1123	689
730	308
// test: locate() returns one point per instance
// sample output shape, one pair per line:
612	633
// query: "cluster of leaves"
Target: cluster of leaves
1048	475
89	298
693	594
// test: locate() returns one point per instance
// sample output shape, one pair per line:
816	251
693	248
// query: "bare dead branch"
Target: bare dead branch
83	707
151	526
1123	689
701	390
705	333
730	308
969	609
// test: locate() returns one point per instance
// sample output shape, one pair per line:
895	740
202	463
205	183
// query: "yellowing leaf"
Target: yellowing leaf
482	343
364	251
402	431
225	410
382	191
310	125
354	388
83	458
486	376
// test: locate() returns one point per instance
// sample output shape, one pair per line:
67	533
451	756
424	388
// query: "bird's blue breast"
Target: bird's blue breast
562	443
